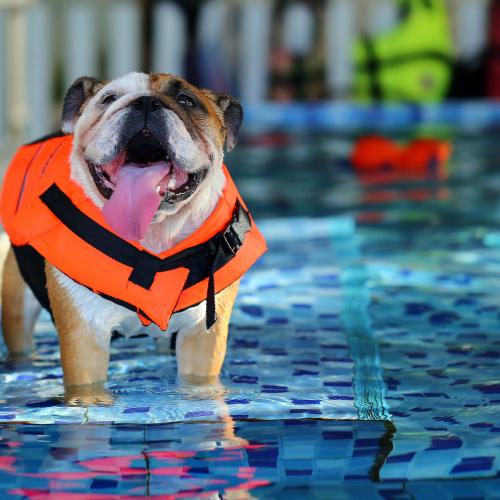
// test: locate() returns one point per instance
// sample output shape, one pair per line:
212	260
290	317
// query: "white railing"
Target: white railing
46	44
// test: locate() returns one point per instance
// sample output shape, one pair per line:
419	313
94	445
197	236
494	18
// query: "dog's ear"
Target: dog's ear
233	117
76	97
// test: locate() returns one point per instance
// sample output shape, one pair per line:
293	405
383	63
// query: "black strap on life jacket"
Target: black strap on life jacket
31	265
202	260
48	137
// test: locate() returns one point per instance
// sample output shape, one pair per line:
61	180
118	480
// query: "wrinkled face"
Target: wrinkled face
147	143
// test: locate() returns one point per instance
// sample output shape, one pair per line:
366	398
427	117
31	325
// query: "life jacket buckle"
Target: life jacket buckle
232	240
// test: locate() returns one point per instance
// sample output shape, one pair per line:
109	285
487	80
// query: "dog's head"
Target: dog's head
147	144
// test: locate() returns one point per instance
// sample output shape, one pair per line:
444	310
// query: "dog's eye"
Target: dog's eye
109	99
185	100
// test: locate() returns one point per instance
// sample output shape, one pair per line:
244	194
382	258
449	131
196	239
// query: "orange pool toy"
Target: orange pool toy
421	157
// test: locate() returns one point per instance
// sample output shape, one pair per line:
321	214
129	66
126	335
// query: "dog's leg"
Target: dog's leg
84	351
20	309
200	354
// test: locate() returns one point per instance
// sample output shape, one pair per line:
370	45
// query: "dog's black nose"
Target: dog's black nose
146	103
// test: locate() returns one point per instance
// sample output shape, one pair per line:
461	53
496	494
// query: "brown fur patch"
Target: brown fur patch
18	320
208	118
83	360
200	355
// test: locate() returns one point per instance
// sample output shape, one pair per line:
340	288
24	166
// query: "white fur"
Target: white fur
169	227
97	142
4	250
105	316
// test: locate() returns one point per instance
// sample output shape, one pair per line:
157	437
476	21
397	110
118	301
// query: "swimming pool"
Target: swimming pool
363	357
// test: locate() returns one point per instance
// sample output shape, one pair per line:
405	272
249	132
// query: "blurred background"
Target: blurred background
270	53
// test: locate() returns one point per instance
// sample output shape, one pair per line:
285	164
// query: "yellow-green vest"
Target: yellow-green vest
412	62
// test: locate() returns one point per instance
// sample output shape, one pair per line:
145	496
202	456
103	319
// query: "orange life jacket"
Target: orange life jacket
48	216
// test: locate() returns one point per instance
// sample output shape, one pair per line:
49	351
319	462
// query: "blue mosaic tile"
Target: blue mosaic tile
365	346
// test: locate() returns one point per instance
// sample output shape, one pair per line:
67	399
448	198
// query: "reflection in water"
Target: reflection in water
294	458
189	459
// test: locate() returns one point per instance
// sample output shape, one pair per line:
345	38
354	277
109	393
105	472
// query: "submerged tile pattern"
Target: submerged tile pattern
189	459
288	358
389	311
294	342
295	354
269	459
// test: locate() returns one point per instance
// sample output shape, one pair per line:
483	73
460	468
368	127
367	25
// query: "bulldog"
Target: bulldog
147	153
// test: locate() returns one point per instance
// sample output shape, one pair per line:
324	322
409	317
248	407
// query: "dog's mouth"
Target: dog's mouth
146	153
138	180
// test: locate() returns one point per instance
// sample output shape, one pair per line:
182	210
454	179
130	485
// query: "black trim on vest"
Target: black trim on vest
408	58
32	268
202	260
47	137
373	68
119	302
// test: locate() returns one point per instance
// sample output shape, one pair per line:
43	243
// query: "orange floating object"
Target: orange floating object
421	157
374	153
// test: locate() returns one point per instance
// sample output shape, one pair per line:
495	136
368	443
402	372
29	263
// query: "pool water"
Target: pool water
363	357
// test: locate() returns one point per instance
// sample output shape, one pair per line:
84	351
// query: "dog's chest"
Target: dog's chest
104	316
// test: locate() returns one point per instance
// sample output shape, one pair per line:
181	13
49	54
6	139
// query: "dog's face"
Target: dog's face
146	144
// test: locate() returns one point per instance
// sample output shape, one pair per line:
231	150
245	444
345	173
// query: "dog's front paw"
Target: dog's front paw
88	395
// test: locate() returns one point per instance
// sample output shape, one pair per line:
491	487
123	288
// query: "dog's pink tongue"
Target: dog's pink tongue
135	199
